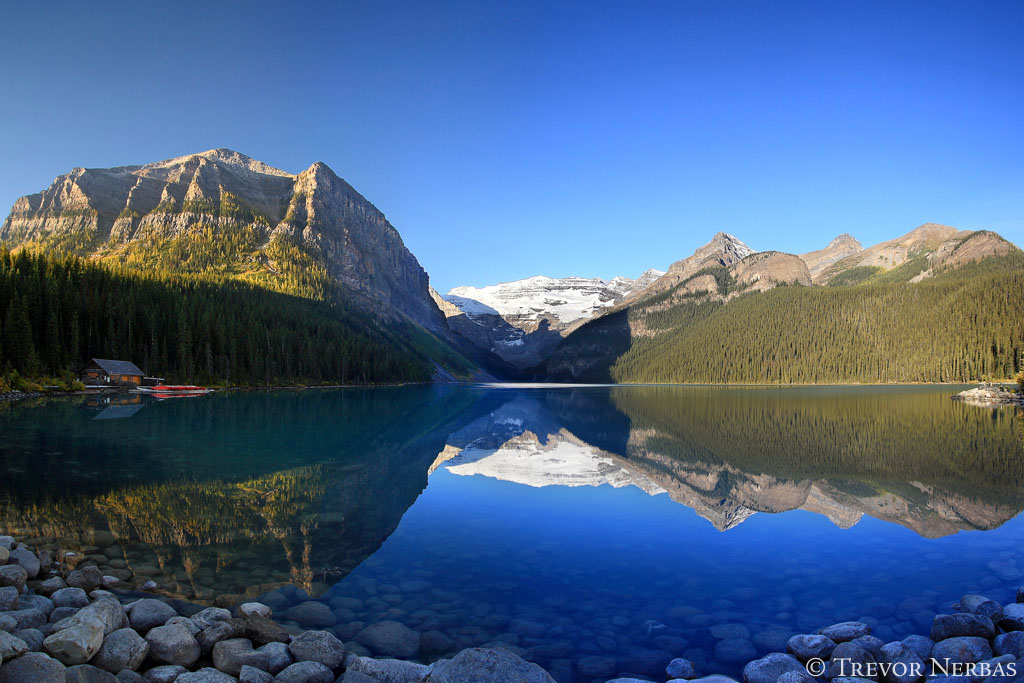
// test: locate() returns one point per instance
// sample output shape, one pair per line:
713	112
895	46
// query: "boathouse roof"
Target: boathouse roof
117	367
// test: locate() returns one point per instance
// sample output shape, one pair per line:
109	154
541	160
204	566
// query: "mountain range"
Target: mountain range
225	217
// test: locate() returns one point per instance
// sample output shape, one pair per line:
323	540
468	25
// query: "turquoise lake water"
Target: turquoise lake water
599	531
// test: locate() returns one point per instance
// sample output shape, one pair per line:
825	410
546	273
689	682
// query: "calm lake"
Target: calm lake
600	531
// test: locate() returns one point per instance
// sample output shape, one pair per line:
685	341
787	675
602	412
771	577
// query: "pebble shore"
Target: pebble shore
59	622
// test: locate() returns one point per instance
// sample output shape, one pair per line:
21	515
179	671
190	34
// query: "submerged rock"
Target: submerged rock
680	668
312	614
390	639
845	631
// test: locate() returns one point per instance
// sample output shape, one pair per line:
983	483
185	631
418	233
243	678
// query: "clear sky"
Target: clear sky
508	139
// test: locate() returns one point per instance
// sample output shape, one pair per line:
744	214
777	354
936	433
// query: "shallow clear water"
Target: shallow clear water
600	530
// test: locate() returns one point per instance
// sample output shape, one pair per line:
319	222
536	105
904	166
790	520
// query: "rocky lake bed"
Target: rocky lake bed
63	619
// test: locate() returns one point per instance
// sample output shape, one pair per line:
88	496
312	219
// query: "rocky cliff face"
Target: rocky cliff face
225	212
764	270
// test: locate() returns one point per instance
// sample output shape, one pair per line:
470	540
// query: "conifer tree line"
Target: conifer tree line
960	326
58	310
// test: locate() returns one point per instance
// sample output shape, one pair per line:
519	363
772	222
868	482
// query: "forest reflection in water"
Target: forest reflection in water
232	495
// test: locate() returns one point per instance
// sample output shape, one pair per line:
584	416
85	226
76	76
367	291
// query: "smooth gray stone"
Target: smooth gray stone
845	631
206	618
8	596
871	644
806	646
25	558
32	601
963	624
1011	643
306	672
318	646
387	670
86	673
164	674
230	655
487	665
770	667
964	649
921	645
250	674
106	609
27	618
354	677
11	646
50	586
128	676
907	666
278	656
846	658
122	649
149	613
979	604
173	644
1013	617
13	576
205	675
218	631
76	644
33	636
33	667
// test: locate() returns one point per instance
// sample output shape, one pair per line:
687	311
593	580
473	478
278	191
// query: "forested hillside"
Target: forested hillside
56	311
958	326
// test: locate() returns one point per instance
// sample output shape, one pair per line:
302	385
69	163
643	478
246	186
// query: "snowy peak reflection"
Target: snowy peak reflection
520	443
728	455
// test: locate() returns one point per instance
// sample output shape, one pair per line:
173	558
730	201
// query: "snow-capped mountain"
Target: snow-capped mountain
520	321
563	300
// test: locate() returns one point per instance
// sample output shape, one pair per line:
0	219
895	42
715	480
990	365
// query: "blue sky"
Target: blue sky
507	139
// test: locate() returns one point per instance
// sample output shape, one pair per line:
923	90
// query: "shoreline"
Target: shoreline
62	619
12	396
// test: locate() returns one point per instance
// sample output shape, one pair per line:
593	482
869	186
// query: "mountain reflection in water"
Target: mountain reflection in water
233	495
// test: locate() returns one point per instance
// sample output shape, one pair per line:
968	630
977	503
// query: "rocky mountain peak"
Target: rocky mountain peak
841	247
205	202
844	240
